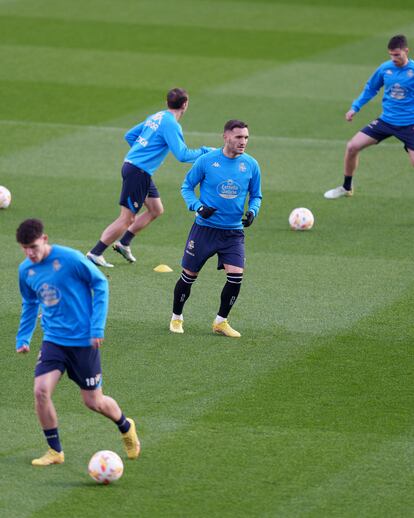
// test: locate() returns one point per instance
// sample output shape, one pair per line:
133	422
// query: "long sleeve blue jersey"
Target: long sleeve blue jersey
225	184
398	98
72	294
152	139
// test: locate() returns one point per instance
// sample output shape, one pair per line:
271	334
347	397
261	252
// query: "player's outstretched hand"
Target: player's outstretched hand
206	212
248	220
349	115
23	349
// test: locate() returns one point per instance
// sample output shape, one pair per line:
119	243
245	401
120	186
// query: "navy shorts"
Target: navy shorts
136	186
380	130
204	242
83	364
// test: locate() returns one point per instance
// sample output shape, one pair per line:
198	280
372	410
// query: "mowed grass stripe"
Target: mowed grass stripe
313	17
120	69
280	45
261	140
51	102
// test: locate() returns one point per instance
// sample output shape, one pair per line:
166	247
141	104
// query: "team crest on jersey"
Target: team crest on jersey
410	73
49	295
242	167
56	265
228	189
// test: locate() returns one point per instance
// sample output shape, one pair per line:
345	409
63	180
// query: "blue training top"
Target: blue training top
398	99
225	184
72	293
152	139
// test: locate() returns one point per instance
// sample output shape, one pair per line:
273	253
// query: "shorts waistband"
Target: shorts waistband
136	167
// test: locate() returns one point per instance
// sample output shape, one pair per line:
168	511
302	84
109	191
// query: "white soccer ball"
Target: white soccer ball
5	197
105	467
301	219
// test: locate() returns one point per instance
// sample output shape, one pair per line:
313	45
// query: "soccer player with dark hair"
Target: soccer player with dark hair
228	177
150	142
397	118
73	296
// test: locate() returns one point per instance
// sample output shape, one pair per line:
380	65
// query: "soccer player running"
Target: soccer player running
73	296
150	142
227	177
397	118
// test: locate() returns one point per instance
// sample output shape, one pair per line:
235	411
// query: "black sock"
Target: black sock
182	291
52	438
123	425
230	293
99	248
127	238
347	182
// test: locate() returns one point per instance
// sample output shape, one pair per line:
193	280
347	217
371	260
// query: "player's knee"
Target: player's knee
156	212
93	403
352	148
126	218
41	394
129	219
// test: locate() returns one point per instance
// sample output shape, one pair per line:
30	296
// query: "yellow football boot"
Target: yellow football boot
225	329
50	457
176	326
131	441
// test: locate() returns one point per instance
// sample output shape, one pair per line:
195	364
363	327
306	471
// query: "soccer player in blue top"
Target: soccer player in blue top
150	142
227	178
397	117
73	296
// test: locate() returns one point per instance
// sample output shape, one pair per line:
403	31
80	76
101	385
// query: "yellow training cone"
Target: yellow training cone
162	268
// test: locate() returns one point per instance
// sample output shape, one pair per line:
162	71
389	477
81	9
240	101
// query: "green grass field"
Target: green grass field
311	412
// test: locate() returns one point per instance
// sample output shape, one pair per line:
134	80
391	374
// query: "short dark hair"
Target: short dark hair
234	123
398	42
176	98
29	230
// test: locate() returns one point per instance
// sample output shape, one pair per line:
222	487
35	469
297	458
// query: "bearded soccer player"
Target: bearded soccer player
73	296
228	178
396	76
150	141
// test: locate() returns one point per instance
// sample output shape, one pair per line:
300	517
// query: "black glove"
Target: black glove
248	220
206	212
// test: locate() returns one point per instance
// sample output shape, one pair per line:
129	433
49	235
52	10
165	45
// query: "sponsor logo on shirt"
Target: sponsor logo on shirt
49	295
142	141
215	164
228	189
31	272
397	92
389	72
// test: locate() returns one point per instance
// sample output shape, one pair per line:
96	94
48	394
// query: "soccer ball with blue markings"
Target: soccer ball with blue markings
5	197
301	219
105	467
